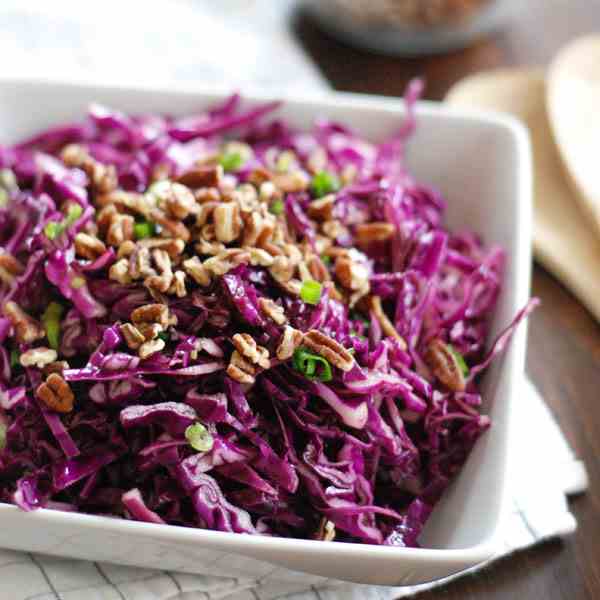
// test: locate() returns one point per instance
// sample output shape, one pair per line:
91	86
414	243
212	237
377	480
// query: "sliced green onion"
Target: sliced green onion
231	161
326	259
14	358
2	435
144	229
284	161
53	229
276	207
164	336
312	366
73	213
199	437
460	359
324	183
310	292
51	321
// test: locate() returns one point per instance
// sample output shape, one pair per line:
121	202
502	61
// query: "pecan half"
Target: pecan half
27	329
246	345
386	325
89	246
444	365
328	348
38	357
271	309
367	233
56	394
290	340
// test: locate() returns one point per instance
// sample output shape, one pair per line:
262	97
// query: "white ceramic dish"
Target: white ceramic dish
482	164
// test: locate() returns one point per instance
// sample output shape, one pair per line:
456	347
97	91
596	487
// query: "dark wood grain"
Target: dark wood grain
564	340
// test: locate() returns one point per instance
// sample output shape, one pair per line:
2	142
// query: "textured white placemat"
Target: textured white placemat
235	43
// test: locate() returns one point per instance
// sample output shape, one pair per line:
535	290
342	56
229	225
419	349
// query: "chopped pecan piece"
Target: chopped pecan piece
271	309
317	269
322	209
328	348
367	233
260	257
175	199
202	177
207	195
126	249
259	176
246	197
444	365
149	331
89	246
282	269
227	260
171	227
197	271
209	248
178	284
334	229
119	271
140	263
173	247
386	325
295	181
103	178
351	274
246	345
56	394
120	229
133	337
326	531
147	349
267	191
151	313
228	224
240	370
27	329
57	366
10	267
258	229
38	357
290	340
161	282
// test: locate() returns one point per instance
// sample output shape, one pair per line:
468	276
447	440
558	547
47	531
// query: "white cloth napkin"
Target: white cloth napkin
235	43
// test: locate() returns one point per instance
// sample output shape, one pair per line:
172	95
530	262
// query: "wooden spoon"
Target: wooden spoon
563	240
573	100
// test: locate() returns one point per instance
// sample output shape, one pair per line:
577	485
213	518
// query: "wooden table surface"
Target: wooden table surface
564	340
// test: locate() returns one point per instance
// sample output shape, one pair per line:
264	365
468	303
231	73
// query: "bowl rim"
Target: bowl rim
245	544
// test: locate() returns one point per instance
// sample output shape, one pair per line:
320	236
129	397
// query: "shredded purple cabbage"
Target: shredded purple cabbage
259	330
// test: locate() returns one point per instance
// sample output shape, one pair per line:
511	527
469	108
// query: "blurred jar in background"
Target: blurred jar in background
410	27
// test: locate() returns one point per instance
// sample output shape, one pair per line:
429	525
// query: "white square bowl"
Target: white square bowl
481	163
